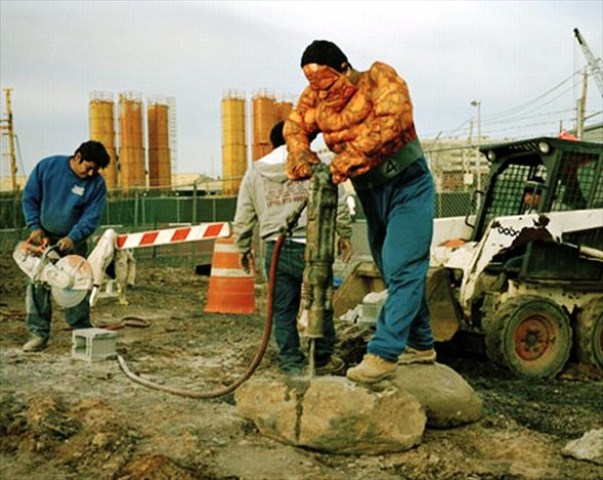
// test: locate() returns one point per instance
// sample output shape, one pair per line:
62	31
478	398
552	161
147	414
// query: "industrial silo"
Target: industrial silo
234	147
264	119
282	109
160	170
131	146
102	129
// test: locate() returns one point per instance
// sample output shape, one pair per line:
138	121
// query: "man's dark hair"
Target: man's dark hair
276	135
327	53
93	151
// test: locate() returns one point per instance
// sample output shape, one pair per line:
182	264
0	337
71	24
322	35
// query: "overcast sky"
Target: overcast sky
519	59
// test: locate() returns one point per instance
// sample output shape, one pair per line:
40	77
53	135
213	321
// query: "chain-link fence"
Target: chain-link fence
145	209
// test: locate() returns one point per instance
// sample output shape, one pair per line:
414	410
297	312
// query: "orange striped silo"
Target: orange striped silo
264	119
101	108
131	147
282	110
160	169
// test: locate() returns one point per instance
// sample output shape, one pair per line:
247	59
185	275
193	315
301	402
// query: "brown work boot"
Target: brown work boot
35	344
334	366
411	355
371	370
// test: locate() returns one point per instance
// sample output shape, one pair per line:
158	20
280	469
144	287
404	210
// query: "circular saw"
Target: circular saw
69	278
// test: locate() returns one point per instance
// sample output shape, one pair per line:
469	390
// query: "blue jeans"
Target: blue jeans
399	216
38	304
286	303
39	311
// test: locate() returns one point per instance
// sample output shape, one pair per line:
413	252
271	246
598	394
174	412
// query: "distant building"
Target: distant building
593	133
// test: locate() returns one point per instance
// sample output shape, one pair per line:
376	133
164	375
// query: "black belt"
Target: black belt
288	240
390	167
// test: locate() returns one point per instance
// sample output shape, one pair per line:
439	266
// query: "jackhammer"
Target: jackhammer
317	286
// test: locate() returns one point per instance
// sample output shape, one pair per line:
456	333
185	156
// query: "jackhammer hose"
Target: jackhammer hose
255	362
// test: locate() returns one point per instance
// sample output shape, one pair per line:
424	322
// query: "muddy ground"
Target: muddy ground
65	418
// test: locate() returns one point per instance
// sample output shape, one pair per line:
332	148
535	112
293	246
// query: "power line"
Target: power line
514	110
535	115
519	114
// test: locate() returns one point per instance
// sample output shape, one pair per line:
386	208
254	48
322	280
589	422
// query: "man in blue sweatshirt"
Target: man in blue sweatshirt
62	202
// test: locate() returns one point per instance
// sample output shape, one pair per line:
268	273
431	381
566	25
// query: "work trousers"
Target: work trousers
399	216
38	304
286	303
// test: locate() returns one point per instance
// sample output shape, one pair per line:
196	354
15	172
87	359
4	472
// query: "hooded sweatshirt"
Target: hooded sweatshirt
267	197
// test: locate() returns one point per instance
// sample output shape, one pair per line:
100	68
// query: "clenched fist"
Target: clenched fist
346	165
299	167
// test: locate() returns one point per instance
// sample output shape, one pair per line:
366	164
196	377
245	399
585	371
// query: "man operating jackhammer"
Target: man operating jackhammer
267	199
366	120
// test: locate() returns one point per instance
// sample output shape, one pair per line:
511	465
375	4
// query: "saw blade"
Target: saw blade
80	274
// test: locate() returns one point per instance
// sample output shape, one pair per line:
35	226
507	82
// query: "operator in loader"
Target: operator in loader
266	199
532	194
62	203
366	120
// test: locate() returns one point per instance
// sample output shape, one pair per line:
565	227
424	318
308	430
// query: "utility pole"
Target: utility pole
581	108
7	124
477	103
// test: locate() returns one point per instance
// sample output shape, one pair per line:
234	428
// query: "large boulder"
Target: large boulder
448	399
333	414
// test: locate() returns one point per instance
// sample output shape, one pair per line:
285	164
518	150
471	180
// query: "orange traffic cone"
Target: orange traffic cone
231	289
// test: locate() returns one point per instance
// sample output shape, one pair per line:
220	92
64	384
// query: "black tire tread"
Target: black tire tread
497	334
587	331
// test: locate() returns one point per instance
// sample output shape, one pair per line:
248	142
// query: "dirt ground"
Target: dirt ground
65	418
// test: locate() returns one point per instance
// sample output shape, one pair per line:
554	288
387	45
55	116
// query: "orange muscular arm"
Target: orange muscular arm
299	126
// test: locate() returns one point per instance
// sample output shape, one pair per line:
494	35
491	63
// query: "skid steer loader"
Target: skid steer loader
527	278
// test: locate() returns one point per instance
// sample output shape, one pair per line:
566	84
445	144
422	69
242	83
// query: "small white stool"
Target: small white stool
93	344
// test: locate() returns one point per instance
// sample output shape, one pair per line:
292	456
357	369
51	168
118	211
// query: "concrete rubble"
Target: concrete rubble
589	447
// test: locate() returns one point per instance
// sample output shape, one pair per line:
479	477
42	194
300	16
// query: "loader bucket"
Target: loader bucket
364	279
442	307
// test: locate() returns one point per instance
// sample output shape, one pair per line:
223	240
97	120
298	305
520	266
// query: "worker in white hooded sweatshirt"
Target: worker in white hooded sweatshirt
266	199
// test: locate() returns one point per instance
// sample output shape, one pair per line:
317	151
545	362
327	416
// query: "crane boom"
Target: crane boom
593	62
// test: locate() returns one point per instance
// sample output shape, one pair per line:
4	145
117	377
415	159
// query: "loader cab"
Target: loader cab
565	174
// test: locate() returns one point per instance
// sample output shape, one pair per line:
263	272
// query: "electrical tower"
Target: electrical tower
7	124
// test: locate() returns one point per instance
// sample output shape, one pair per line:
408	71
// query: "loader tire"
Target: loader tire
529	335
589	333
